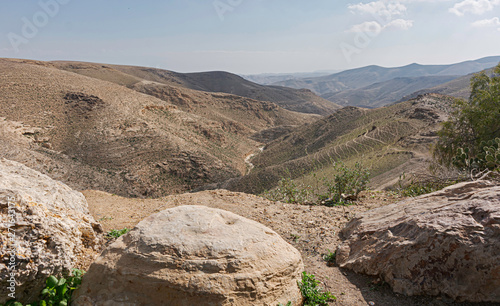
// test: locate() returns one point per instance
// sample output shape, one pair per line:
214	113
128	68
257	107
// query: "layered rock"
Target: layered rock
446	242
195	255
45	229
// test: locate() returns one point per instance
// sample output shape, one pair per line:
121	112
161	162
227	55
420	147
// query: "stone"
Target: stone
45	229
446	242
195	255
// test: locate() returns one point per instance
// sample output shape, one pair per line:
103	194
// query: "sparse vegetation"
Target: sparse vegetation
467	140
417	185
346	184
289	191
330	257
117	233
312	293
57	292
342	189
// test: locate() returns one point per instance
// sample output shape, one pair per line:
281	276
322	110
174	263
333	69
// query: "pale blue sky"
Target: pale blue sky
251	36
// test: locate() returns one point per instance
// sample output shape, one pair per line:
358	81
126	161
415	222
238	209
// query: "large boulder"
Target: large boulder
194	255
45	229
446	242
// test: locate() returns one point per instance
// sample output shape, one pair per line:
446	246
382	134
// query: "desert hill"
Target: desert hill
95	134
384	93
327	86
458	88
216	82
387	140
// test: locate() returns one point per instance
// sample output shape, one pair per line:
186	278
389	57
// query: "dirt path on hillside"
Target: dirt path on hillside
313	230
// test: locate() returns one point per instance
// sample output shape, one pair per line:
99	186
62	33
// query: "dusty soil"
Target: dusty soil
313	230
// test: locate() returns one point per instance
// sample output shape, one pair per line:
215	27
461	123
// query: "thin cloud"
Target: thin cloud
375	27
378	8
495	21
400	24
476	7
487	23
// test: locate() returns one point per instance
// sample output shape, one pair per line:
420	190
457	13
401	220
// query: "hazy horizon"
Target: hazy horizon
252	37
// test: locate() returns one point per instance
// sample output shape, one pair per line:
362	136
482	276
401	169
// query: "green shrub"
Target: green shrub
330	257
312	293
117	233
346	184
343	189
57	292
288	191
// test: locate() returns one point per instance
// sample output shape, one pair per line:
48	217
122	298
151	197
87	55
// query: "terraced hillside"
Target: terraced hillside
299	100
95	134
388	141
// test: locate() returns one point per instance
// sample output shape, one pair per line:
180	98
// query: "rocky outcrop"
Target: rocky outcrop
45	229
195	255
446	242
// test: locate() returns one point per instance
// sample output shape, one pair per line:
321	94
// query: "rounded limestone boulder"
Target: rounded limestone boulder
195	255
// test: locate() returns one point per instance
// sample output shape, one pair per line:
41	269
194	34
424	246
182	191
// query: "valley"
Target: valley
138	141
146	132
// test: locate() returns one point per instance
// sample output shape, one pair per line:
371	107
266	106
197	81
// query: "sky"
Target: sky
251	36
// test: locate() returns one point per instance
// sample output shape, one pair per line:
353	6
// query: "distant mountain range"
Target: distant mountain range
383	93
271	78
458	88
374	86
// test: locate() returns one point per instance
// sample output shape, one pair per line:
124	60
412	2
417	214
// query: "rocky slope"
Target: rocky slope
96	134
216	82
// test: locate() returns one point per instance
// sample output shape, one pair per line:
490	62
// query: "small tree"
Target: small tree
472	124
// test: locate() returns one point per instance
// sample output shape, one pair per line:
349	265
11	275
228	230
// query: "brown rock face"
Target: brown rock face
45	229
195	255
446	242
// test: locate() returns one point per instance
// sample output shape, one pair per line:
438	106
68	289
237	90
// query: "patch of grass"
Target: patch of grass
419	185
330	257
312	293
117	233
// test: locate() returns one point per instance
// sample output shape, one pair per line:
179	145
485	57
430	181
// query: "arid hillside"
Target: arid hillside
95	134
458	88
388	141
384	93
298	100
